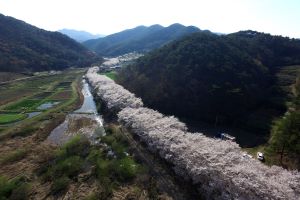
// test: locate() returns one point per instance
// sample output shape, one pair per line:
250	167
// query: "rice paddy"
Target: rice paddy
32	99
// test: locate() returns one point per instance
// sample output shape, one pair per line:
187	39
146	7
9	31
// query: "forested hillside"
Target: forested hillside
228	79
25	48
139	39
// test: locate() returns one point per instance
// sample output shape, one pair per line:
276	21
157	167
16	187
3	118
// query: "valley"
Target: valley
163	111
58	114
169	138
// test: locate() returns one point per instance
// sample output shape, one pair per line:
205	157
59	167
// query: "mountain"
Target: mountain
79	36
25	48
223	79
140	39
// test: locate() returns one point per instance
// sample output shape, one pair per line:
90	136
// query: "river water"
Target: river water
85	121
89	105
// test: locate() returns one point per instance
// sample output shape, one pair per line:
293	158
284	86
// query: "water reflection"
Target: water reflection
47	105
89	105
32	114
84	121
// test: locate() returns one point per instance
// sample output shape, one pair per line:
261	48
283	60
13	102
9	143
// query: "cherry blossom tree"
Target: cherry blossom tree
218	168
114	95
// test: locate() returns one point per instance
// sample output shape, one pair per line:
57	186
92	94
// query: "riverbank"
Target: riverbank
84	121
23	146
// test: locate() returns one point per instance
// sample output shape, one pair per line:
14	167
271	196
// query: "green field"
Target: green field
9	118
25	104
112	75
19	98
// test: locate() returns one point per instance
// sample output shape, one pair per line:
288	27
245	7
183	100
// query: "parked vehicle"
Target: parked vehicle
225	136
260	156
247	156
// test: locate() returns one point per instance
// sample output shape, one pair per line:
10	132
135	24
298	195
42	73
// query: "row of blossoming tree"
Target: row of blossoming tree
218	168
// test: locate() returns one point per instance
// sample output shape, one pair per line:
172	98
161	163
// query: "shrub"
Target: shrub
24	132
94	155
68	161
16	188
119	149
108	139
60	184
6	187
126	168
78	145
21	192
92	196
103	168
69	167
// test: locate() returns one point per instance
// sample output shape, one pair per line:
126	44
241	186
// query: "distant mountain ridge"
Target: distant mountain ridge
140	39
26	48
80	36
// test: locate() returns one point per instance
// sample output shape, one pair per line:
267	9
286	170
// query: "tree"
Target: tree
217	167
285	138
286	135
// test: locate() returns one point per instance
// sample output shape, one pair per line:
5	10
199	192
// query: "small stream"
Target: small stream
85	121
89	105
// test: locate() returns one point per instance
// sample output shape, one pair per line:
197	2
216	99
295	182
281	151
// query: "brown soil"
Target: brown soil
9	76
62	95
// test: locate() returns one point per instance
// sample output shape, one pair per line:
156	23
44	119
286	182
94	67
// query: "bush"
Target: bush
68	161
6	187
94	155
107	191
92	196
116	139
16	188
70	167
103	168
119	149
24	132
21	192
126	168
108	139
60	184
78	145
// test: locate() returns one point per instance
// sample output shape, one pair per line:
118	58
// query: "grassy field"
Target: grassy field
25	104
112	75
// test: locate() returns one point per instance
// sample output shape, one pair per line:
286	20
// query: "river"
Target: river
85	121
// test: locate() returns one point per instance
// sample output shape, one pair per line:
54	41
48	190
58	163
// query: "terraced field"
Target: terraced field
11	117
31	100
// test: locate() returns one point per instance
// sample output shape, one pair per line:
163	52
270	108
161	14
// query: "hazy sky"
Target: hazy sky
280	17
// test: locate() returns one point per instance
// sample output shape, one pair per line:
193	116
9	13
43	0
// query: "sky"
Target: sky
278	17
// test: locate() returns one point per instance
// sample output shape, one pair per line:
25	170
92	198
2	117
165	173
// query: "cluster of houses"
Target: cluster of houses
111	64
